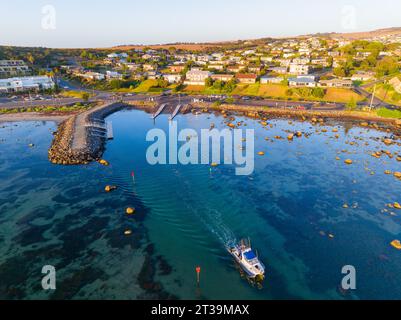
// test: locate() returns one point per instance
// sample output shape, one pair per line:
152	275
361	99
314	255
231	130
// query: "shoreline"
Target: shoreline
80	137
34	116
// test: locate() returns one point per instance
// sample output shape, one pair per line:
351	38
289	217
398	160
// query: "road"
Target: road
174	100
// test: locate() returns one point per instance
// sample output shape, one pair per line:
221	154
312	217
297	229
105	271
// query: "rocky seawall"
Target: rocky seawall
77	141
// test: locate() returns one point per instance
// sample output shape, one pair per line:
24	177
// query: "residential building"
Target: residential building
117	55
177	68
267	80
197	77
92	76
246	78
172	78
235	69
222	77
363	76
299	69
302	81
335	83
279	70
9	68
215	66
26	84
113	75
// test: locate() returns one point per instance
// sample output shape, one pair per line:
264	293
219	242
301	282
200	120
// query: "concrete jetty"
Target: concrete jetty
78	140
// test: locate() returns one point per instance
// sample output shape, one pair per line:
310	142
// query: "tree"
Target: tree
386	66
351	105
85	96
318	93
208	82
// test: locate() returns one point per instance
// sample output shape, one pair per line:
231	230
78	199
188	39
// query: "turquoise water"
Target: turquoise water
60	216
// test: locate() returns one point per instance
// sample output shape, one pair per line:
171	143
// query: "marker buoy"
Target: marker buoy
198	271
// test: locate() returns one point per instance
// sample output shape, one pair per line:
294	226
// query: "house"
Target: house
279	70
299	69
26	84
335	83
148	67
396	83
113	75
301	61
92	76
320	62
196	77
222	77
267	79
235	69
254	69
117	55
216	66
172	78
13	68
177	68
302	81
363	76
153	75
246	78
130	66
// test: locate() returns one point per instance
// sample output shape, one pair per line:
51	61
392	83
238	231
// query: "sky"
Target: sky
106	23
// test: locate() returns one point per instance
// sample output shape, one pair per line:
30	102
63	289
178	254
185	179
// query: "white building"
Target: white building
113	75
308	81
266	80
197	77
172	78
299	69
9	68
26	84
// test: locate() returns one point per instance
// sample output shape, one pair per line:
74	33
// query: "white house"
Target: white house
266	80
308	81
113	75
26	84
197	77
172	78
299	69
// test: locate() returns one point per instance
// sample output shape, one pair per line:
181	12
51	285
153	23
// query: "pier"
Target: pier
158	112
110	133
175	113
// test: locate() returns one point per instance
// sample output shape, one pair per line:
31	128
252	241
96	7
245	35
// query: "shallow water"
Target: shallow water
187	214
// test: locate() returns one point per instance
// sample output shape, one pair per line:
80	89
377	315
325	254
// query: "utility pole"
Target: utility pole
373	97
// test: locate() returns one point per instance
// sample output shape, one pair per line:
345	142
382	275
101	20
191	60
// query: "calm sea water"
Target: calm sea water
291	208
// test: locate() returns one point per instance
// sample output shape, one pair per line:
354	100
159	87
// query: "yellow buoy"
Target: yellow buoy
261	153
130	210
396	244
214	164
110	188
348	161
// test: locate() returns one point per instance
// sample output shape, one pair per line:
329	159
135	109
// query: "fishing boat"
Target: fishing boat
248	260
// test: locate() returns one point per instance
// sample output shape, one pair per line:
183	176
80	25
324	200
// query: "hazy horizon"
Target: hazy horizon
101	24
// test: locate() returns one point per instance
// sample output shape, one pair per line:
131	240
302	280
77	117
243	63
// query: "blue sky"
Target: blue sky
102	23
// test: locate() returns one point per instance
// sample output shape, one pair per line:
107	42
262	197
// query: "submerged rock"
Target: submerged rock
110	188
130	211
396	244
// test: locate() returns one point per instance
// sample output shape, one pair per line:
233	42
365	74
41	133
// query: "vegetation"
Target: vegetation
387	113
